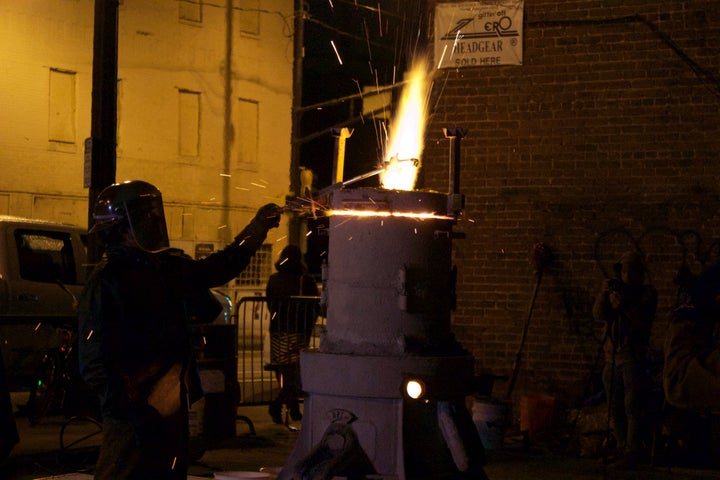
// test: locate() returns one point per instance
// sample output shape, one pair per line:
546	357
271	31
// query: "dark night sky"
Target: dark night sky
375	46
375	41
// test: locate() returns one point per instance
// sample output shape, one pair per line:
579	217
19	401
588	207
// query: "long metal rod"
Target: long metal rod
300	203
338	185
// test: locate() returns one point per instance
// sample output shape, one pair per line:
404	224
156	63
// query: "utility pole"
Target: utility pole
103	131
298	54
228	132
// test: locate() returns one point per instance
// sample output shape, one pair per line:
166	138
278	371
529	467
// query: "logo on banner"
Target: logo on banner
478	34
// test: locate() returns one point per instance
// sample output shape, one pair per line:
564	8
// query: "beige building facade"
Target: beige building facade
204	110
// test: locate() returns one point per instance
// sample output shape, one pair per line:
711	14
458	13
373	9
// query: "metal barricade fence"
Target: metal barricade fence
256	368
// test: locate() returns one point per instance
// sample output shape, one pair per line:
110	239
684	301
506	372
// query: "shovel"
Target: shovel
540	259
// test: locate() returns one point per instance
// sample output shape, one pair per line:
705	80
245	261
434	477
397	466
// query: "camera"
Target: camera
616	285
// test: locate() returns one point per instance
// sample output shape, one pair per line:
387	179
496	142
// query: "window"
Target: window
248	17
190	11
258	271
246	133
61	122
189	123
46	256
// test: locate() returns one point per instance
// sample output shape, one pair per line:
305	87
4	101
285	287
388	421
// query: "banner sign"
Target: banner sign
478	34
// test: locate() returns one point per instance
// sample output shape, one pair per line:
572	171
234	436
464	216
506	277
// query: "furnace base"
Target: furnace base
356	420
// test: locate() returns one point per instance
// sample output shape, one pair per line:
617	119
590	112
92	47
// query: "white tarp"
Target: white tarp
478	34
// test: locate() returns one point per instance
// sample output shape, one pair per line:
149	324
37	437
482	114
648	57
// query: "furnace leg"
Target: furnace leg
338	454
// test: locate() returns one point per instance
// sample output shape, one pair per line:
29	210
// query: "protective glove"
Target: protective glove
268	215
253	235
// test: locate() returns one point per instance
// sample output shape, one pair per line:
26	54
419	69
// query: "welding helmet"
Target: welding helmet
138	206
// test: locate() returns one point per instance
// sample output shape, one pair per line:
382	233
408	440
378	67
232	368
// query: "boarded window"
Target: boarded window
190	11
247	113
248	17
61	122
189	123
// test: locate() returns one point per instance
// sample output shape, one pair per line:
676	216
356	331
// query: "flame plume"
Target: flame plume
407	132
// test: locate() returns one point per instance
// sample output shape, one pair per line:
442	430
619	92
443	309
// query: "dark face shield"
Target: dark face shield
147	224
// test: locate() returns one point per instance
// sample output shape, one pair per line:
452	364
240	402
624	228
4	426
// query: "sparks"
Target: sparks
379	19
336	52
385	213
442	56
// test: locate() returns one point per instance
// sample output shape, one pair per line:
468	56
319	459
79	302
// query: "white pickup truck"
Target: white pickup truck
43	267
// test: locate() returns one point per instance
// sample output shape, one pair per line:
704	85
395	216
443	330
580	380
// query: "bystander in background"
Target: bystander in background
627	307
291	325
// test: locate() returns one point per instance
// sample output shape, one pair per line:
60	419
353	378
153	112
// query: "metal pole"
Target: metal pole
228	133
298	54
103	131
341	135
455	198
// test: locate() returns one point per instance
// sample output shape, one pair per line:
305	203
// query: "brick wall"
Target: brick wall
605	139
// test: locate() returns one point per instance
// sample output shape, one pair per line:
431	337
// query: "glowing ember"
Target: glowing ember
405	145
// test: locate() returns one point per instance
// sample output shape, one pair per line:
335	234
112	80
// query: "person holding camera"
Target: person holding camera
691	373
627	307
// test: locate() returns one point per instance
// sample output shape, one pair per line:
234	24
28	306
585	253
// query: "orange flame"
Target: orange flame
407	132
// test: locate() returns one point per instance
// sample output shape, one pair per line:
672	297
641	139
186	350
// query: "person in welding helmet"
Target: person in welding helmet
134	326
291	323
626	306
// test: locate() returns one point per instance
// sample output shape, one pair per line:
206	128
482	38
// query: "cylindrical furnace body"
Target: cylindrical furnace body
389	275
389	289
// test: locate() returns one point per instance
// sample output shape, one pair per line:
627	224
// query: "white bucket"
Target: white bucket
490	419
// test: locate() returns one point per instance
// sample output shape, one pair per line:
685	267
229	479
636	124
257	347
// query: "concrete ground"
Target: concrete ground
68	450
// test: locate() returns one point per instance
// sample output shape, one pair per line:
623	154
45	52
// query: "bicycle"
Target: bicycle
58	388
